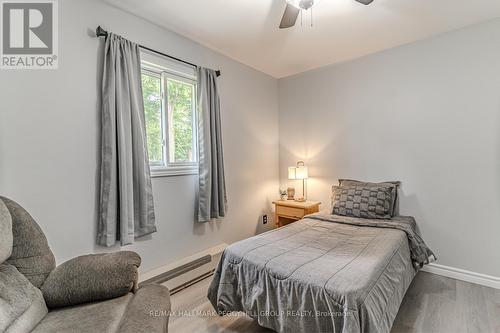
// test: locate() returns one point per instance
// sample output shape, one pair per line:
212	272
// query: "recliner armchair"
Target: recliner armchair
92	293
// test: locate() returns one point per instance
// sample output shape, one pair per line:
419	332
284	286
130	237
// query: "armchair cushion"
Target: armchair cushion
91	278
96	317
146	311
31	254
21	303
5	232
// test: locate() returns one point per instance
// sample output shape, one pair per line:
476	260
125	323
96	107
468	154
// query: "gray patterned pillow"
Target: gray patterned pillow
373	202
396	183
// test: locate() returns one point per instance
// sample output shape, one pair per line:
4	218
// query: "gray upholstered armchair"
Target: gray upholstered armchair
92	293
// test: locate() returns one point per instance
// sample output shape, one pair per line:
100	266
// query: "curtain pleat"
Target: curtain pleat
212	196
126	209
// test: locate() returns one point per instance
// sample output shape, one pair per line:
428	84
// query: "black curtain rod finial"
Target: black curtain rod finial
100	32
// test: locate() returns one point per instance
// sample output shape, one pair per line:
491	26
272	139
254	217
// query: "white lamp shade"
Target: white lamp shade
301	172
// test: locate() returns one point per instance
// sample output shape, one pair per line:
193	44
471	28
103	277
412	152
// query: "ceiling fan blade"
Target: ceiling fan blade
289	16
365	2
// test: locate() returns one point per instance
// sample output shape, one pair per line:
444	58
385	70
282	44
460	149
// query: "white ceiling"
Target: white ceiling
247	30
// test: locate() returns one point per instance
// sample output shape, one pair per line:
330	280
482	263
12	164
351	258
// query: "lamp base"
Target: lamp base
300	199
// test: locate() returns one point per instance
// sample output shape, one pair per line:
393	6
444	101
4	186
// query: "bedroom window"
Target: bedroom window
169	92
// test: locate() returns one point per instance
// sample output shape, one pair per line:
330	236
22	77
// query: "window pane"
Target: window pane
151	88
180	121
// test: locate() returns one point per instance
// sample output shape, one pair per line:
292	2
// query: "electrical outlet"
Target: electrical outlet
264	219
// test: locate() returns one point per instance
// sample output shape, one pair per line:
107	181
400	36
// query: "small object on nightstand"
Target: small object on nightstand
291	193
290	211
283	194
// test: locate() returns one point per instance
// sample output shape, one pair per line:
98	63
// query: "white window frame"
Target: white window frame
168	168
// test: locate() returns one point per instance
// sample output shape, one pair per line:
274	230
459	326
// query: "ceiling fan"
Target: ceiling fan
293	8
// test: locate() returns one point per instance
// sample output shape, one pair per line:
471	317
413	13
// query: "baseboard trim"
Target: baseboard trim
463	275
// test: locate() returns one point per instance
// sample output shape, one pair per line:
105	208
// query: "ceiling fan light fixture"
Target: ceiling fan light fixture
295	7
301	4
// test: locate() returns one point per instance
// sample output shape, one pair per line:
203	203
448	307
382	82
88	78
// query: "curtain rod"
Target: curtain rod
100	32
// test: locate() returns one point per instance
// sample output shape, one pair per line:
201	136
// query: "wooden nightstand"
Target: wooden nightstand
288	211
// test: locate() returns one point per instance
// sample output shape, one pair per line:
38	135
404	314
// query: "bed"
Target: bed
324	273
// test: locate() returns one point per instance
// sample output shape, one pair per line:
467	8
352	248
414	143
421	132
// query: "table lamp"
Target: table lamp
299	172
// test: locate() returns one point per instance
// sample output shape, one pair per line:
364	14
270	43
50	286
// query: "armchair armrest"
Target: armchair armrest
148	311
91	278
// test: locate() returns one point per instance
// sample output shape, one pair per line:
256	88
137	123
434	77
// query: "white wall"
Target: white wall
427	114
49	126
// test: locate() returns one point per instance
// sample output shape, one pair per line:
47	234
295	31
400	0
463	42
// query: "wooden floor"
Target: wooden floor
432	304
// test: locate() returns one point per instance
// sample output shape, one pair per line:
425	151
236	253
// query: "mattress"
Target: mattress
316	275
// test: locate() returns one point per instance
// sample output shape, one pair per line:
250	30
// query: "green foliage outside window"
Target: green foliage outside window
151	89
180	99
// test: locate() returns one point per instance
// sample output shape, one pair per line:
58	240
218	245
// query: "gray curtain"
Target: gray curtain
212	198
126	200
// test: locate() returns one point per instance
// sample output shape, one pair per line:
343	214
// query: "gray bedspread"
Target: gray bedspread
325	273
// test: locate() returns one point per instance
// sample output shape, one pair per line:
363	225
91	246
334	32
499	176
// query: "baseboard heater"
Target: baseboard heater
191	282
185	272
183	269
